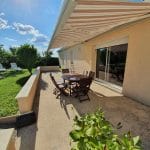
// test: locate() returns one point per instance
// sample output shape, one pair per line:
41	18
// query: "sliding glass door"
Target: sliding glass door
111	63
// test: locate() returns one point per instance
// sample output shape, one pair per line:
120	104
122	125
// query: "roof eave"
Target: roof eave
67	8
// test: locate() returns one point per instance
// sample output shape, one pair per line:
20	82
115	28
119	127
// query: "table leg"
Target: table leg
70	88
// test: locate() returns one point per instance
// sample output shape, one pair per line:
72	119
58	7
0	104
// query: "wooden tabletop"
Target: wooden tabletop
73	76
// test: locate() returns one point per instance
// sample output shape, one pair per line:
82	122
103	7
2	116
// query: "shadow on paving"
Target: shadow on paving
133	116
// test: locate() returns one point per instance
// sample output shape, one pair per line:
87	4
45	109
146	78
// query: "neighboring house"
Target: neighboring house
111	38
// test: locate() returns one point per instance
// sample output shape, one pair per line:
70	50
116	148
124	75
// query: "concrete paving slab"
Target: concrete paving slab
55	116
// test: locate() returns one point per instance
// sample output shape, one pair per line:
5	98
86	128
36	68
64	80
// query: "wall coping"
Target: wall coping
5	135
24	92
49	68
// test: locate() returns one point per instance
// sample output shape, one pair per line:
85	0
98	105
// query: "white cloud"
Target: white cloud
25	29
15	45
55	52
2	14
10	39
4	24
40	38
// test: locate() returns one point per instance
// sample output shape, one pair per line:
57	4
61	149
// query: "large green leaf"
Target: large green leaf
91	131
136	140
76	135
94	132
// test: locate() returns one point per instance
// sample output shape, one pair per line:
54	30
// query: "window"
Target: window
111	63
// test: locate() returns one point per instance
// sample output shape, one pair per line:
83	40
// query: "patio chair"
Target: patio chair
85	73
2	68
60	89
55	91
91	75
59	82
65	70
15	67
82	89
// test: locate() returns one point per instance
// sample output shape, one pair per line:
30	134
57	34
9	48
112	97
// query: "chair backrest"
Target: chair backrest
13	65
65	70
1	66
51	75
91	74
84	84
54	81
85	73
62	91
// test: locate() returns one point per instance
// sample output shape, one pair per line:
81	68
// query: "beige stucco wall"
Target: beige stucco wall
25	97
80	56
137	72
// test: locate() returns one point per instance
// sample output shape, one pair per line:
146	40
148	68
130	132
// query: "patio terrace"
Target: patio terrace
55	116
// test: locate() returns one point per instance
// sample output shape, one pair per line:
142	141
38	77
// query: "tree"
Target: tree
13	50
27	55
44	60
47	55
4	56
13	53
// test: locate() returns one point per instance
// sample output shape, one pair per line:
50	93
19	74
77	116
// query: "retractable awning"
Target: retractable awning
82	20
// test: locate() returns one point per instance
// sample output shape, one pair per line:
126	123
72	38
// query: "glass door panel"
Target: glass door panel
111	63
101	63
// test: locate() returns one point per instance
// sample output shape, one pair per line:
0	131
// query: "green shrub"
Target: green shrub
42	61
94	132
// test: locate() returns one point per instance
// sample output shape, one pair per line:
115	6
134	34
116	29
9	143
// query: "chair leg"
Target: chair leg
54	91
58	95
88	97
84	99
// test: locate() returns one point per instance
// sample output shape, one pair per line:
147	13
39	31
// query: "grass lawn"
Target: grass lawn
10	85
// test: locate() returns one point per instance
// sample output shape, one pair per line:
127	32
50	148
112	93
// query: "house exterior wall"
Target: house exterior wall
77	58
137	71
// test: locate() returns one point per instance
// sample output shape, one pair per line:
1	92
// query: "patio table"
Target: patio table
72	78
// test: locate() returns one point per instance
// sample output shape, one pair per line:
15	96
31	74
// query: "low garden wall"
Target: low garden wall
49	68
26	95
7	140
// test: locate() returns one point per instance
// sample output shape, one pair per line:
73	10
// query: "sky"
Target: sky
28	21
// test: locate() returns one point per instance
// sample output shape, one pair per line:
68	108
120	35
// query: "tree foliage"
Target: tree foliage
11	55
27	55
5	56
47	59
13	50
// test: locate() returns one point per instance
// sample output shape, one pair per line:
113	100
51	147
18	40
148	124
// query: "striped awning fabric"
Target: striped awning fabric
89	18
